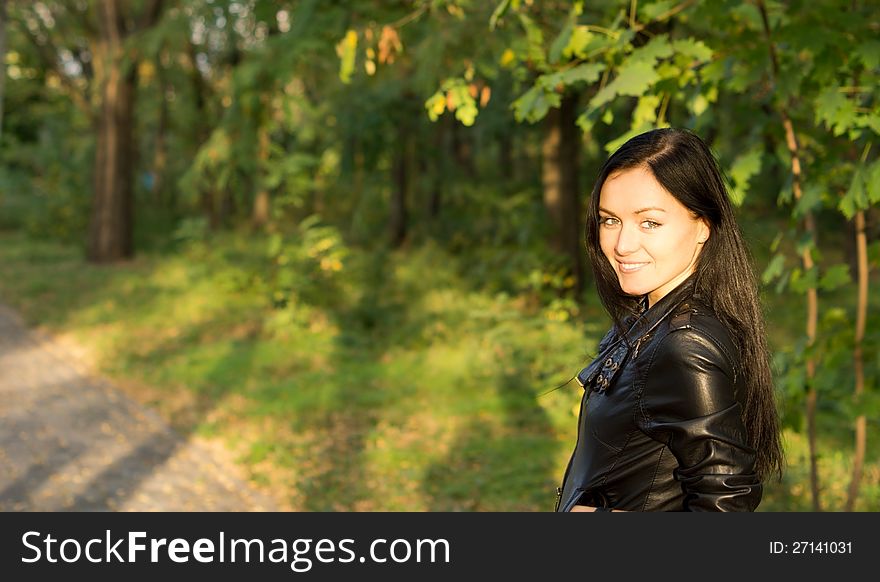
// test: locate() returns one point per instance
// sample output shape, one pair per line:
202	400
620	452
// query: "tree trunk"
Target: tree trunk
401	179
858	361
160	153
110	230
228	207
2	62
505	156
439	169
559	176
262	201
111	226
462	148
807	261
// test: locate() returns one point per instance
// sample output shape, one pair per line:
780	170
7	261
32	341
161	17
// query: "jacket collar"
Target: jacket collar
642	324
602	371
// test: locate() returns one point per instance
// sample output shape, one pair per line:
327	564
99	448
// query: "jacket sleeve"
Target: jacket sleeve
688	402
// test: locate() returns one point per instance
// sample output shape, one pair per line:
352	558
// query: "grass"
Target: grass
389	384
410	392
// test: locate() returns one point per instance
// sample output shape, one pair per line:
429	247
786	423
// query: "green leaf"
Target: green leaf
634	78
667	70
774	268
585	122
835	277
498	13
699	104
585	73
872	182
776	240
696	49
534	104
744	167
465	105
579	40
650	11
560	43
835	110
872	122
535	39
802	282
467	114
805	243
856	198
620	140
810	200
869	53
658	48
645	112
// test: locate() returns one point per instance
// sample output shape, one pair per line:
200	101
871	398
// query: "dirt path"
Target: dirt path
70	441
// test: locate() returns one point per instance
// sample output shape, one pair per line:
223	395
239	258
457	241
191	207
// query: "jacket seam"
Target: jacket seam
653	479
722	349
616	459
643	381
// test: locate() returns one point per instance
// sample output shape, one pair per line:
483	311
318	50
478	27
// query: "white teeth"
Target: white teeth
631	267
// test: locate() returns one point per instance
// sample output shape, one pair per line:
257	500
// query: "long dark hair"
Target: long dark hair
683	164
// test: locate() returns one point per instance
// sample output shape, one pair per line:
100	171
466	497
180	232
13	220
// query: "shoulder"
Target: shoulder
694	331
692	365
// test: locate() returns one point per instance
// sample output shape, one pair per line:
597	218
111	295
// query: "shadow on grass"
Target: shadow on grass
356	392
499	468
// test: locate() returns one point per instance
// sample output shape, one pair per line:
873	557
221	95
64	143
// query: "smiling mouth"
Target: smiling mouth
630	267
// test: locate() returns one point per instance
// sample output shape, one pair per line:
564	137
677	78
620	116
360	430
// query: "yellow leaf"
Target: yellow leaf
438	106
345	49
485	95
507	57
451	102
469	72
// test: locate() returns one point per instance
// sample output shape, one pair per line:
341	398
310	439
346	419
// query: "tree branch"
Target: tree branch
87	23
51	57
150	15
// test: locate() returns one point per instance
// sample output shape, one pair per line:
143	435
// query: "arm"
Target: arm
688	403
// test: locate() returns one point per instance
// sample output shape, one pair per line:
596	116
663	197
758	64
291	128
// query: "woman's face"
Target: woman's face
651	240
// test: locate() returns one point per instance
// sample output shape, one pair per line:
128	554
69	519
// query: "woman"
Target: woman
678	412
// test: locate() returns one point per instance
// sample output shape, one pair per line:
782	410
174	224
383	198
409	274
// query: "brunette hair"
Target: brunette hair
683	164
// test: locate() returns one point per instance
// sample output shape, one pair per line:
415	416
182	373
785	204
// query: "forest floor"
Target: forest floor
71	441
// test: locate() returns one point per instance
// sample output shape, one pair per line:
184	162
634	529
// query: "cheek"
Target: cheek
606	243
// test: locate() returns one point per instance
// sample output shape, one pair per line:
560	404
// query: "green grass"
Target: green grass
409	391
400	388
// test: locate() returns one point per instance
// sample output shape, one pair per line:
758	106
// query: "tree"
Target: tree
88	47
2	60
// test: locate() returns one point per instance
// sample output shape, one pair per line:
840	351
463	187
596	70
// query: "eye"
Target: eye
650	224
608	221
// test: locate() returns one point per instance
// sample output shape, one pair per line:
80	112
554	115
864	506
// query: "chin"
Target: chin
631	289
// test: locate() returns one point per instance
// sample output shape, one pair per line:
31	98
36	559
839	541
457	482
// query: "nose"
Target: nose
627	241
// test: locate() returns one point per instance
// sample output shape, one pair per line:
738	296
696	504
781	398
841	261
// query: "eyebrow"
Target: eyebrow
639	211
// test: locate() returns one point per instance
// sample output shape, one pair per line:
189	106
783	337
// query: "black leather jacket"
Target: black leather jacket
660	425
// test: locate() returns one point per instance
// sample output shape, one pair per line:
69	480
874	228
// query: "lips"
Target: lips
630	267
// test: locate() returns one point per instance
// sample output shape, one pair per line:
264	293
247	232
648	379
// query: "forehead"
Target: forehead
636	188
